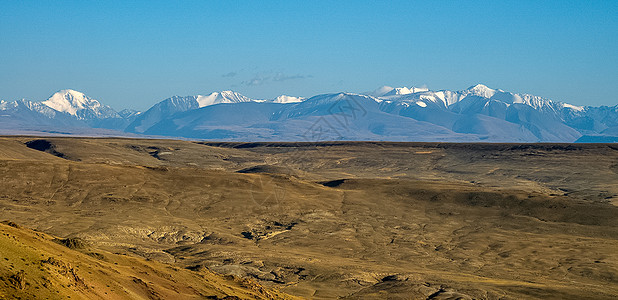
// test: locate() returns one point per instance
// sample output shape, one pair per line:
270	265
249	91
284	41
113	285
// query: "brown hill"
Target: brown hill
353	220
35	265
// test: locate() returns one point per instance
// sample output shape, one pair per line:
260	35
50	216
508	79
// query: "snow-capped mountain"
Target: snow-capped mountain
478	113
29	114
287	99
488	112
341	116
387	91
65	109
177	104
25	105
79	105
221	97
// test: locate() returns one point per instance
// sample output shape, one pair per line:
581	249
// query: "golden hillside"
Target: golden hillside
35	265
348	220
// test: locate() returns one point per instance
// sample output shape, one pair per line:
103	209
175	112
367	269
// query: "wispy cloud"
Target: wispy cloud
283	77
261	79
230	74
256	80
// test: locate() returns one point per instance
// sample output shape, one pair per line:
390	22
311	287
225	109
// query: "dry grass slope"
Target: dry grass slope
34	266
330	220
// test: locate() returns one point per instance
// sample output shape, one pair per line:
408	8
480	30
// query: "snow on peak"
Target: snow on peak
287	99
400	91
79	105
381	91
573	107
479	86
481	90
4	105
403	91
71	101
418	89
221	97
388	91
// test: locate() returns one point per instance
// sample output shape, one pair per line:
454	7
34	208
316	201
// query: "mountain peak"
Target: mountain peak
381	91
479	86
403	91
481	90
287	99
70	92
221	97
79	105
70	101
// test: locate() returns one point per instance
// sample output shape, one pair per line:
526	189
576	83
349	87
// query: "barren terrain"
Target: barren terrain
353	220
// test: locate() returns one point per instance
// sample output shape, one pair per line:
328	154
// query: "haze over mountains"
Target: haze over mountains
476	114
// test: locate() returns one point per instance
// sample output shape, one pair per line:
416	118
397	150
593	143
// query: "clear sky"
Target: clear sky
131	54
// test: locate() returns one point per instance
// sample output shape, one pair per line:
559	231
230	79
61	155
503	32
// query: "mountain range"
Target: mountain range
476	114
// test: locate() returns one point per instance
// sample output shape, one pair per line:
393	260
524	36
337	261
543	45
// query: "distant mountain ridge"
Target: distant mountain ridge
476	114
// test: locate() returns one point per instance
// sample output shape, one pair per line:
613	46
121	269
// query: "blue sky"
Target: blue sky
133	54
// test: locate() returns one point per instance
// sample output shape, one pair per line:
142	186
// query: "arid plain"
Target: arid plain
352	220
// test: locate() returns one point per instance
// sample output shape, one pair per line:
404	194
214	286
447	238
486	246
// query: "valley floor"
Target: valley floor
353	220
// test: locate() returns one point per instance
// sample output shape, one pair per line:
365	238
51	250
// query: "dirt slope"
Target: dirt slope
37	265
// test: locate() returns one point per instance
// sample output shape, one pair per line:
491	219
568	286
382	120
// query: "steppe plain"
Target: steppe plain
159	219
